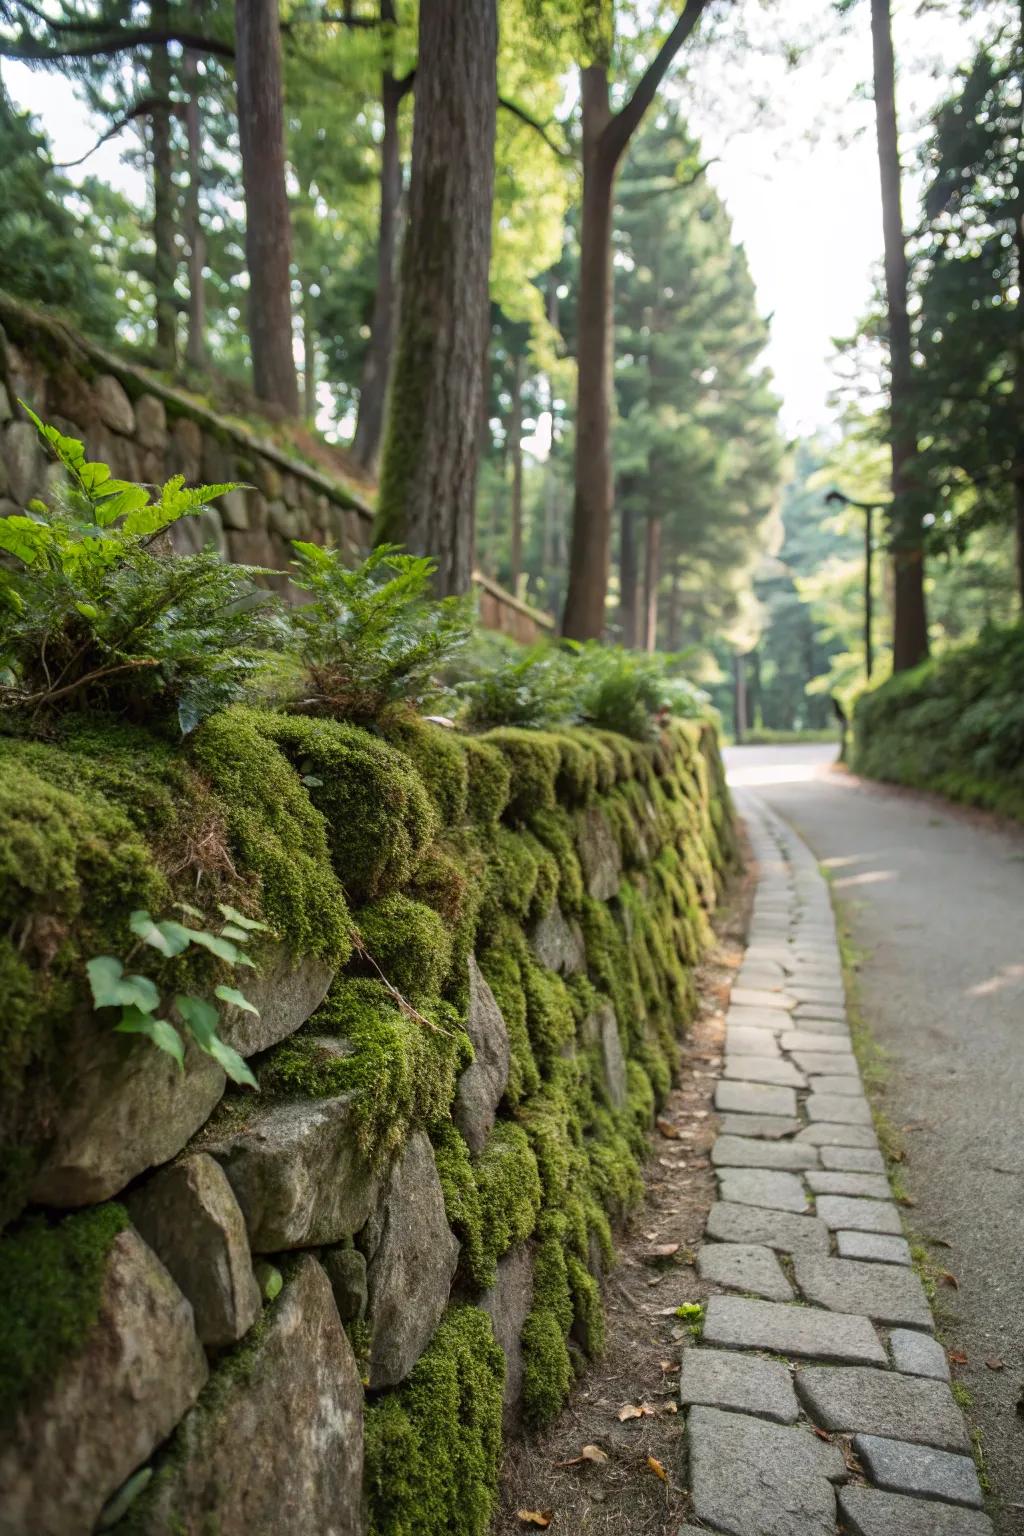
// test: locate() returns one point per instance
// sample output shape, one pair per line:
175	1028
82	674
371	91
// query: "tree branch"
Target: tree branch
141	109
60	26
515	110
120	42
626	121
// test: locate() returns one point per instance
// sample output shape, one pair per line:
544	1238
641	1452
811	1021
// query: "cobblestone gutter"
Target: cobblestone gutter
818	1398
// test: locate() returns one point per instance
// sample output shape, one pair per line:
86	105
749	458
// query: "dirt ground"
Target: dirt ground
640	1488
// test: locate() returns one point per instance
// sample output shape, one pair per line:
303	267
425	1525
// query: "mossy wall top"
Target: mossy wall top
482	956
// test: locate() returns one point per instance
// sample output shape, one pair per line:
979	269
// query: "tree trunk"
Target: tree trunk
652	574
308	357
516	450
268	234
432	444
674	606
1018	361
373	386
195	347
164	211
910	625
739	698
592	504
628	569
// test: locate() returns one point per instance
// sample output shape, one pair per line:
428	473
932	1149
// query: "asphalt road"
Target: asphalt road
934	897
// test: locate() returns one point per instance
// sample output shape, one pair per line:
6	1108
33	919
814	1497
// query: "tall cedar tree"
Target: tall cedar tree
606	135
910	622
432	446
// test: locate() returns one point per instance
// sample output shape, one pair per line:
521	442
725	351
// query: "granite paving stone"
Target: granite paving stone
721	1378
817	996
766	1187
804	1040
755	997
751	1042
916	1354
856	1399
819	1011
837	1109
745	1267
825	1134
826	1182
763	1069
839	1063
868	1512
873	1247
919	1469
852	1159
851	1214
846	1085
887	1293
748	1152
758	1018
780	1230
772	1127
750	1478
755	1098
738	1323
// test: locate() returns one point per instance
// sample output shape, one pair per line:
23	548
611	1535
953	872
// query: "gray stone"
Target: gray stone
286	990
822	1045
780	1230
770	1127
838	1063
855	1215
114	407
763	1069
750	997
346	1270
888	1293
151	422
837	1109
744	1267
852	1159
279	1444
763	1187
720	1378
738	1323
139	1368
485	1079
410	1272
917	1354
774	1019
750	1478
750	1042
298	1174
599	854
189	1216
918	1469
25	462
127	1108
601	1028
827	1134
870	1513
875	1186
847	1086
819	1011
234	510
873	1247
508	1304
754	1099
748	1152
859	1400
558	943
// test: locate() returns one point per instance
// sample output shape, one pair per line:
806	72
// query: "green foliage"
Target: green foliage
954	724
630	692
371	637
432	1446
90	616
139	998
51	1279
535	689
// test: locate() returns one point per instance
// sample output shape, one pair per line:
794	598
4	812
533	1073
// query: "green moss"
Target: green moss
554	830
489	781
380	819
51	1282
588	1310
492	1201
550	1017
534	759
433	1445
547	1367
513	873
578	767
409	943
439	756
402	1071
501	971
275	832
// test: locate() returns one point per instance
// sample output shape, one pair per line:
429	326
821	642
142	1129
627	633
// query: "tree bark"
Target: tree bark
165	237
373	386
195	346
516	450
268	235
628	569
308	357
910	624
1018	361
432	443
673	617
652	573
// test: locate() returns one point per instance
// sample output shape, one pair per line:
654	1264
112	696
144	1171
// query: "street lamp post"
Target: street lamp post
869	508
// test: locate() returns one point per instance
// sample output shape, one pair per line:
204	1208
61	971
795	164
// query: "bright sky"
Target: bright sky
798	174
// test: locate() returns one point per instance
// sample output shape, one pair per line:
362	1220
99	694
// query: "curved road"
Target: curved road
934	899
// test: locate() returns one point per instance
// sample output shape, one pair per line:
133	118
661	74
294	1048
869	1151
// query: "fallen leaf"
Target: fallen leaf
667	1129
593	1453
906	1200
628	1411
669	1407
957	1357
669	1365
995	1364
657	1468
541	1517
945	1278
661	1251
822	1434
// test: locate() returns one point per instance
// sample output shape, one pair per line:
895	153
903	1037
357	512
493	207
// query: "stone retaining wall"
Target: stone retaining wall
319	1307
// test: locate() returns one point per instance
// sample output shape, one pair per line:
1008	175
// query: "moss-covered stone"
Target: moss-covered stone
493	1200
433	1445
439	756
535	760
489	781
408	943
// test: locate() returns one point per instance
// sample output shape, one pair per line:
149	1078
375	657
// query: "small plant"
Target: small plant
90	615
630	691
139	997
373	637
536	688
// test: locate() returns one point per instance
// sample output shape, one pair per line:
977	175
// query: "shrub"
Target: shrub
535	689
630	692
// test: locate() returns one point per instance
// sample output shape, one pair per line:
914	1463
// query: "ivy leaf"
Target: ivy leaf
169	938
232	931
163	1034
185	906
24	537
233	996
201	1019
222	948
234	916
111	988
